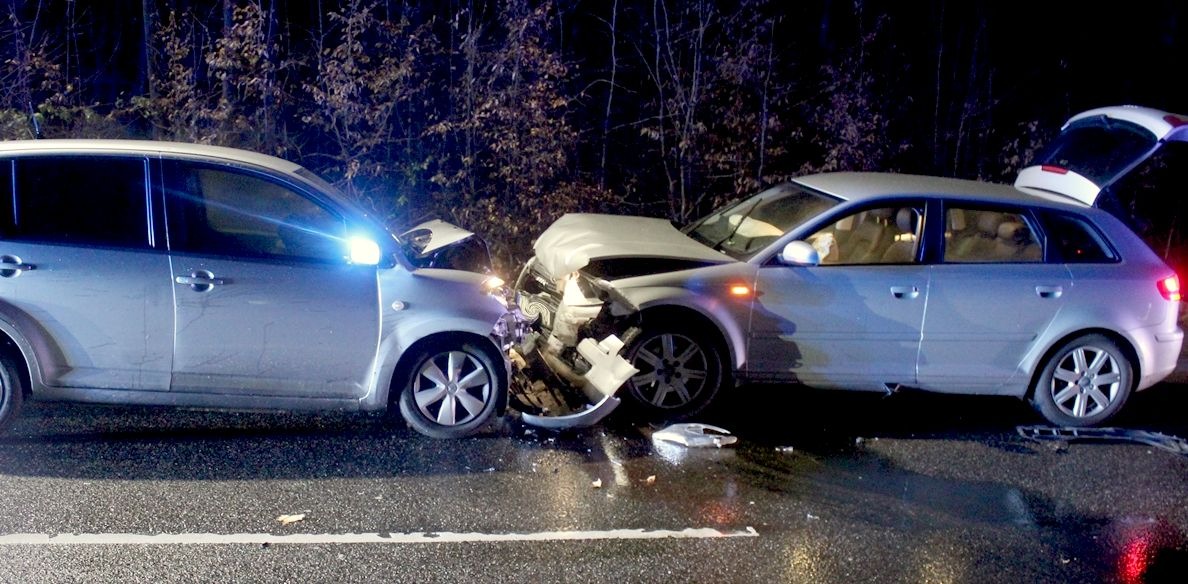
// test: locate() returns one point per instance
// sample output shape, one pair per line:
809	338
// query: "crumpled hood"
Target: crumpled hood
575	239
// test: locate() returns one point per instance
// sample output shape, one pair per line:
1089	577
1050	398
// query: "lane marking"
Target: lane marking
83	539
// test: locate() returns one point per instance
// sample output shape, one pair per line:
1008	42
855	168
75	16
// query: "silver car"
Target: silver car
135	272
864	281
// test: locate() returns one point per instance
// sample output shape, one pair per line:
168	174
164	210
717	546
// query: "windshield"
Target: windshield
744	228
1098	148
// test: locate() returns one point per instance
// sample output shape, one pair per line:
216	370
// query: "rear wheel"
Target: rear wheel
680	372
1085	382
452	391
12	394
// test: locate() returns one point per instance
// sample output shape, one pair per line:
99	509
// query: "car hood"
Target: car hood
431	236
576	239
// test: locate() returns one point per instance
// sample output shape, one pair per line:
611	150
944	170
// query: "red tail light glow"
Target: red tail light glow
1054	169
1169	287
1175	121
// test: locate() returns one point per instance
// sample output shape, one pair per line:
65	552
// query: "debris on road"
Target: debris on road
695	435
290	519
597	483
1058	435
651	480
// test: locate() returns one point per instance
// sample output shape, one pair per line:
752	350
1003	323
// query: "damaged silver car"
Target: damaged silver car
859	281
152	273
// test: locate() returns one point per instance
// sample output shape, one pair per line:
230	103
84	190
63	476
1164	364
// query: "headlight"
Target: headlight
495	287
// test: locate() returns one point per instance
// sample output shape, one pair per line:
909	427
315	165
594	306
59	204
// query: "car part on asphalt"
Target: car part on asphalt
695	435
1158	440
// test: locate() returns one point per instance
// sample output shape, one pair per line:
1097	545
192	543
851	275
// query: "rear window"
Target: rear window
1076	241
78	200
1098	148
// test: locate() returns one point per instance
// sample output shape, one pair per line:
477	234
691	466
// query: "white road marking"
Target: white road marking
81	539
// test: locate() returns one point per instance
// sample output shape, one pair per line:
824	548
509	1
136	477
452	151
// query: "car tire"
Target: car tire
1084	383
12	393
452	390
680	372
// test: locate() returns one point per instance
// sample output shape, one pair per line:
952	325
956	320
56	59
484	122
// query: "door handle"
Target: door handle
905	291
200	281
1049	291
12	266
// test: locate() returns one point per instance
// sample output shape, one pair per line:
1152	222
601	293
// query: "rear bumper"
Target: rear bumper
1162	352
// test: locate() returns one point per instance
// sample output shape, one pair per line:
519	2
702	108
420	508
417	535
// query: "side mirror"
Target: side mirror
800	253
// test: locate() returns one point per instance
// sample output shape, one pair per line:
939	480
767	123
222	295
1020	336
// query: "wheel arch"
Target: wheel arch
409	355
18	350
1120	340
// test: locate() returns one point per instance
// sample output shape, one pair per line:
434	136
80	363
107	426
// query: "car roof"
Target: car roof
859	186
87	146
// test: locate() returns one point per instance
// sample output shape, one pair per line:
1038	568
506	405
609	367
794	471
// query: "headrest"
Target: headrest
905	220
988	223
1014	232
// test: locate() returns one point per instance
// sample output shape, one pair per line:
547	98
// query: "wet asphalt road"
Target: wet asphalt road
821	487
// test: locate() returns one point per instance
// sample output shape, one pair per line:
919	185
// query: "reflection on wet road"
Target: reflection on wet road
835	487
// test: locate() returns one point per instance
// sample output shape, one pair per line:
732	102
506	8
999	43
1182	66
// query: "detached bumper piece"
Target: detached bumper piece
1162	441
556	395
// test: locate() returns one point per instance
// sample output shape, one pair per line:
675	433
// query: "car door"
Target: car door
79	275
266	302
992	296
854	320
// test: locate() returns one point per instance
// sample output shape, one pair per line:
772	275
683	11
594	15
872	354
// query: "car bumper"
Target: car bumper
1164	358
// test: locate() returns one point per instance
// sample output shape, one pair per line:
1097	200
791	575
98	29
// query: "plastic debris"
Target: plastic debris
651	480
291	519
1049	434
695	435
597	483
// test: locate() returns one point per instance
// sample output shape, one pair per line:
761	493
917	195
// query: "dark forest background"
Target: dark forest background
502	115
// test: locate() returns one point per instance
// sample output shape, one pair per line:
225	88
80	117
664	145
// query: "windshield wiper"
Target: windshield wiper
741	218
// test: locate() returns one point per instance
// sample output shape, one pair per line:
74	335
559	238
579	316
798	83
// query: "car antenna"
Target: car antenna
33	120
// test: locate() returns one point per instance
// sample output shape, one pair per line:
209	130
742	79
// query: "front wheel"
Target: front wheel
1085	382
452	391
680	372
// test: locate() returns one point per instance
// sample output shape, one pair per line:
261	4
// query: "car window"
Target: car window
743	229
1098	148
883	235
222	211
1075	240
989	236
79	200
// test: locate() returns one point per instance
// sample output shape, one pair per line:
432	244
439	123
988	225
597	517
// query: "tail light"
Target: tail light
1052	168
1169	287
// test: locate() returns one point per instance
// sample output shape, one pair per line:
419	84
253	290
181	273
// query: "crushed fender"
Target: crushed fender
1162	441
